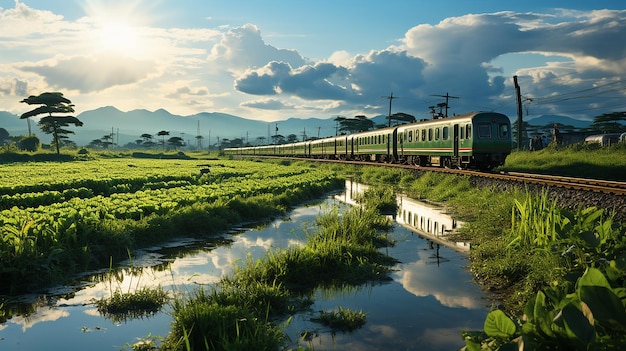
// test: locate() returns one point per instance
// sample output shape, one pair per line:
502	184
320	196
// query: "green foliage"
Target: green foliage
343	319
63	218
29	143
234	314
592	317
53	102
123	305
537	222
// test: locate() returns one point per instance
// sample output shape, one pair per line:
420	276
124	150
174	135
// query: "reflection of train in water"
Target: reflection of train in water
429	220
480	140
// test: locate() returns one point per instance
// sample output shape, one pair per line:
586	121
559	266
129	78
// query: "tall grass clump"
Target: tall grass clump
201	323
536	222
237	313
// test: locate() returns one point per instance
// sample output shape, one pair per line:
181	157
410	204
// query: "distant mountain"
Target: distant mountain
548	120
129	126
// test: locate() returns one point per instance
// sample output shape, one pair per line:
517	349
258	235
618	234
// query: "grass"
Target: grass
343	319
121	306
578	160
237	313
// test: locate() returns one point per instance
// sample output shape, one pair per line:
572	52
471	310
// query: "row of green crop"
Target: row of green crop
101	176
40	243
49	191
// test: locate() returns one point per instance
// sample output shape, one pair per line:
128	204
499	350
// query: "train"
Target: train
477	140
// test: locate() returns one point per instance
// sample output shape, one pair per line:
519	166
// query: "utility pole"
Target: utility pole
447	96
198	137
390	97
519	113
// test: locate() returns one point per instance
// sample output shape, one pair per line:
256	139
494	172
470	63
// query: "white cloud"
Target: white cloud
92	74
267	104
243	47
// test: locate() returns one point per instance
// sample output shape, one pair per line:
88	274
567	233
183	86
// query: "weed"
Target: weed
342	319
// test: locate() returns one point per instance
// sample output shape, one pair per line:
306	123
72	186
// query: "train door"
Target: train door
455	137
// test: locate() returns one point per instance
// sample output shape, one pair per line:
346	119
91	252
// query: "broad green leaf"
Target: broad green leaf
577	325
606	307
542	317
620	262
499	325
593	277
590	238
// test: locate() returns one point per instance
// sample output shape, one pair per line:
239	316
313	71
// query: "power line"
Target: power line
573	94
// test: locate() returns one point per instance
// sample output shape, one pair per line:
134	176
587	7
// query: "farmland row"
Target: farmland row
68	235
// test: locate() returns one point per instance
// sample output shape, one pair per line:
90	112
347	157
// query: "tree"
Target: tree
107	140
162	134
401	117
55	125
292	138
176	142
278	139
4	135
29	143
609	122
199	139
353	125
147	140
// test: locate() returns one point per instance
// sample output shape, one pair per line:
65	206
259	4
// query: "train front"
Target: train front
492	139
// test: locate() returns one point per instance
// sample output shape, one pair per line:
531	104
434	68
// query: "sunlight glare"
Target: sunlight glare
119	37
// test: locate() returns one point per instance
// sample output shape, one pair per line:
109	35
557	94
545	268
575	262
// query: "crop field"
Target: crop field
60	218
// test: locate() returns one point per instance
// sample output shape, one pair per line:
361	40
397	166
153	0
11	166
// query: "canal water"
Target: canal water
428	303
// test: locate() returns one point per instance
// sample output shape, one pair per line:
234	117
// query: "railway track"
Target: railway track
592	185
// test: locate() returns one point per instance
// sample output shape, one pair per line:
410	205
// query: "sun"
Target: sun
118	36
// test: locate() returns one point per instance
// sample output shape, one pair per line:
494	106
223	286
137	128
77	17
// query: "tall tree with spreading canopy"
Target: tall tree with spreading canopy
53	103
401	118
610	122
353	125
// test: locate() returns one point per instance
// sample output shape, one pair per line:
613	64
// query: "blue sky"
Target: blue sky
271	60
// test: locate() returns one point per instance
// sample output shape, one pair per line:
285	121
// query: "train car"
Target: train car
375	145
300	149
322	148
479	140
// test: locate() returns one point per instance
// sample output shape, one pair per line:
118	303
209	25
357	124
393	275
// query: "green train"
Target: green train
479	140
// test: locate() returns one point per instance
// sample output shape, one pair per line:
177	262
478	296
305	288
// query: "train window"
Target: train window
423	134
445	133
468	131
417	135
484	131
430	134
437	134
410	135
462	132
503	131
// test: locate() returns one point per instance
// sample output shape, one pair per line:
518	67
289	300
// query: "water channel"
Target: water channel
426	305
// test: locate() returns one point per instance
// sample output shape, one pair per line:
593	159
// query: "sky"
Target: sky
272	60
